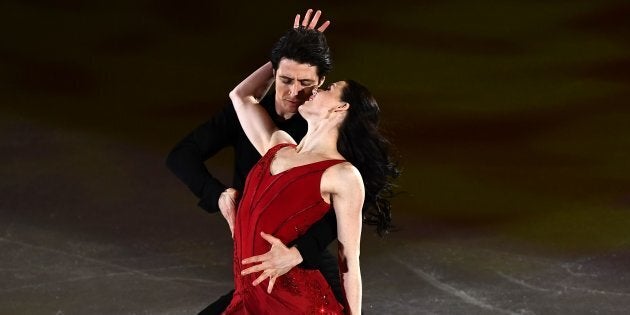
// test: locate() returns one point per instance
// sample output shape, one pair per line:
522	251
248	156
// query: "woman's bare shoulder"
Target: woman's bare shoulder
342	176
345	170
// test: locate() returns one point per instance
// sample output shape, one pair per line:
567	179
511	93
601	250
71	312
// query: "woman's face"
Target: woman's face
324	100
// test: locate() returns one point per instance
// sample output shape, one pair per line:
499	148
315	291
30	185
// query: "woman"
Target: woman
341	162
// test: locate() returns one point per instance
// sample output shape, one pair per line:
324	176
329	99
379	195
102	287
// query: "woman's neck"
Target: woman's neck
320	139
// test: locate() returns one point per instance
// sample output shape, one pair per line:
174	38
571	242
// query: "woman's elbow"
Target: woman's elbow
234	94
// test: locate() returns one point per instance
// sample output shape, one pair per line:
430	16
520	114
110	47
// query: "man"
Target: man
301	59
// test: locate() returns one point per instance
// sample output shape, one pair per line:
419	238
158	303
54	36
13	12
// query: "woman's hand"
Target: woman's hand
307	18
227	205
274	263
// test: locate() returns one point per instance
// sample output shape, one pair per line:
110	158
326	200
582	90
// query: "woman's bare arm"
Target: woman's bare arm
347	193
258	126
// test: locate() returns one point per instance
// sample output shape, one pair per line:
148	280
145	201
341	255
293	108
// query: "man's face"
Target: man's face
294	85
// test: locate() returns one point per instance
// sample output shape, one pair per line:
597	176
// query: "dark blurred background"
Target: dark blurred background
510	119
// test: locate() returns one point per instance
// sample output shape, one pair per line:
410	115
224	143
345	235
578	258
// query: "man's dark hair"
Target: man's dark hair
304	46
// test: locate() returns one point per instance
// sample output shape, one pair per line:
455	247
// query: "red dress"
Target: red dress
284	205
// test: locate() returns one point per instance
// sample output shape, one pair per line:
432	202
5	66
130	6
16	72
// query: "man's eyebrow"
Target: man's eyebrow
285	77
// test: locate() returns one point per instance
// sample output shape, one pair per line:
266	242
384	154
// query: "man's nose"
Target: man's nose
295	89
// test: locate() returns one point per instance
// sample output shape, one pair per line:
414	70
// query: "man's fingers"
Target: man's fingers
254	259
272	240
253	269
231	200
261	278
315	19
272	280
324	26
307	17
227	203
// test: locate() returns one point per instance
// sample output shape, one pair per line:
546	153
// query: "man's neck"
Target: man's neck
283	114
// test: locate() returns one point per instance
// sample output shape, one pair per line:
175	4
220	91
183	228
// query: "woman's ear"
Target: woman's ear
343	107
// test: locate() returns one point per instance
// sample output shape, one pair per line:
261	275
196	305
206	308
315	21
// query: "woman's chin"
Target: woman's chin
304	109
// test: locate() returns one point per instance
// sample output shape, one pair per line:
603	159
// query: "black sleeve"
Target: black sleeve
315	240
186	159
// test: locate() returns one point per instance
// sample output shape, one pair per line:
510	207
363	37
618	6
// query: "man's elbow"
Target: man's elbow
173	160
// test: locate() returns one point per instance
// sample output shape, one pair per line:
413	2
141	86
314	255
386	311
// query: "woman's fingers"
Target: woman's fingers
309	23
307	17
296	22
315	19
324	26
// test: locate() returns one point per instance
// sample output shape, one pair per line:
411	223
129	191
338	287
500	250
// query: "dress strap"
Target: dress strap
328	163
277	147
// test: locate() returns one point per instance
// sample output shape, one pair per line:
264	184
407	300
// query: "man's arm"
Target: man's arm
186	159
316	240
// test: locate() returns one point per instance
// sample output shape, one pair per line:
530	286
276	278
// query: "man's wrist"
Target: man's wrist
296	253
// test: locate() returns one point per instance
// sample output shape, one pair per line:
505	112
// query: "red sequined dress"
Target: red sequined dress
284	205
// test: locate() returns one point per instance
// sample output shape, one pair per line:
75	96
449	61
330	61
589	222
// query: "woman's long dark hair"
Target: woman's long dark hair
363	145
